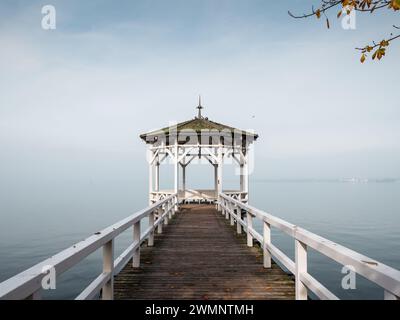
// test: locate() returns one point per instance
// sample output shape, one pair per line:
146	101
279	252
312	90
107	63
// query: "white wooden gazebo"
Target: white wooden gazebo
198	138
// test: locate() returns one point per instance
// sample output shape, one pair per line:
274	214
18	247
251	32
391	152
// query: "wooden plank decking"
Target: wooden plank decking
200	256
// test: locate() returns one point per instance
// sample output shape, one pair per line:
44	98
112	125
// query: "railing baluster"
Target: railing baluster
150	241
136	239
230	206
249	219
238	212
170	209
301	267
164	210
159	217
267	241
176	204
108	267
226	211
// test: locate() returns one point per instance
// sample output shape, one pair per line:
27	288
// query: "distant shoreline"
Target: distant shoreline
342	180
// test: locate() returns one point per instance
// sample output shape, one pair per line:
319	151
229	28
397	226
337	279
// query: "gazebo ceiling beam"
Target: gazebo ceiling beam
236	159
170	154
167	147
214	163
188	162
186	152
211	153
163	158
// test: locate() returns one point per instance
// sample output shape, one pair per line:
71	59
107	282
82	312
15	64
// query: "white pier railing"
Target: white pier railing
386	277
28	284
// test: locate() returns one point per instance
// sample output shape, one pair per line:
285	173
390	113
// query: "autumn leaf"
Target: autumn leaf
395	4
377	49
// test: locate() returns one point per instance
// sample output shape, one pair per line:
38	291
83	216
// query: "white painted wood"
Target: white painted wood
238	212
136	239
230	206
319	290
258	237
176	169
379	273
249	223
92	291
157	177
184	178
216	180
246	174
171	208
28	282
282	258
219	172
150	242
272	220
108	267
301	268
159	221
266	242
241	177
385	276
151	168
125	257
185	153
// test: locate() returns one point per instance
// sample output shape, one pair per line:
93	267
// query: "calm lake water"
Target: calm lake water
38	222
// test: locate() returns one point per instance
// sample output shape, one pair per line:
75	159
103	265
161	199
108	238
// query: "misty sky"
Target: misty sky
74	100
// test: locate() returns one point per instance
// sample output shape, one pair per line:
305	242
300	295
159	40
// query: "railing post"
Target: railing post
238	212
301	267
169	206
226	211
231	212
249	219
176	203
165	209
266	242
159	217
108	267
390	296
150	241
136	239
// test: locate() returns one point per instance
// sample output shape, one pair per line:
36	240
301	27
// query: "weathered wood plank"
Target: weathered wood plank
200	256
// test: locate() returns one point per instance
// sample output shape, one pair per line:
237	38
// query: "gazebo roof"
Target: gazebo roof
198	125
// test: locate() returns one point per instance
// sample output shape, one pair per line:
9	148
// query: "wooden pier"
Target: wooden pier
199	251
200	256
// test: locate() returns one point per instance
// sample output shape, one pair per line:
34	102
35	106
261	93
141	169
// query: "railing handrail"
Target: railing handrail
29	281
386	277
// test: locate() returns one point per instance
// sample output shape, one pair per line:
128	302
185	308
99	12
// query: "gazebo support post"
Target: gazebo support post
151	154
219	174
176	175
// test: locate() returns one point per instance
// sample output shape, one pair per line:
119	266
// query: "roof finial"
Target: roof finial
199	107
